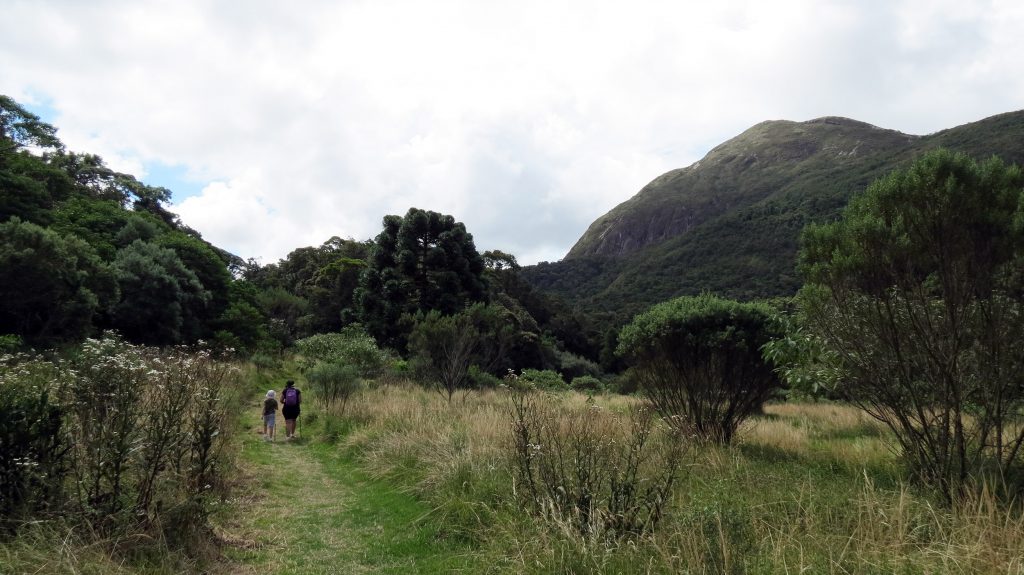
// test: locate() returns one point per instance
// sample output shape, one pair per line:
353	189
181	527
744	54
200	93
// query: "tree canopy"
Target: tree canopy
420	262
918	292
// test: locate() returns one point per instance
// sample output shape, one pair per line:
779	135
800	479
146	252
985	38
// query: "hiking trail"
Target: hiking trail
304	507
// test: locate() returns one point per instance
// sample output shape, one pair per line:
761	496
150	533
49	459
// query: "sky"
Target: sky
278	125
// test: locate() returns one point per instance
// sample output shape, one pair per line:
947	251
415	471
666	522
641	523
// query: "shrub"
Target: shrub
587	383
334	384
148	429
699	361
352	346
596	472
480	379
32	439
543	379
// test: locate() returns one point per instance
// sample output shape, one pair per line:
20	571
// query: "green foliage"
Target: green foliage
916	293
587	384
334	384
543	379
20	128
443	347
100	222
10	343
32	439
352	347
421	262
65	291
803	360
731	223
699	360
162	300
480	379
120	439
52	286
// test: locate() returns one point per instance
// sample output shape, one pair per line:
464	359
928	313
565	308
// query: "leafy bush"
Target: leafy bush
32	439
334	384
918	296
480	379
148	429
571	365
699	361
10	343
587	383
543	379
352	346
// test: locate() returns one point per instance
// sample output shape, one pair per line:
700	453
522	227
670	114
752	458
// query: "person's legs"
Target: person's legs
289	427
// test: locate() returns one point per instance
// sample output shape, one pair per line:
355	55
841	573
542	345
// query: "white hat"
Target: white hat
270	394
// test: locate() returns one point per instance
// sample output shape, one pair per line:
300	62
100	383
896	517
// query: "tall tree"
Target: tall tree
162	300
51	286
918	292
421	262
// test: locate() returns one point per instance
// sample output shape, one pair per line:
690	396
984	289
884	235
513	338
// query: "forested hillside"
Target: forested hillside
86	249
730	223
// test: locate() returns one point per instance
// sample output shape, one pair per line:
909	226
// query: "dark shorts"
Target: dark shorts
290	411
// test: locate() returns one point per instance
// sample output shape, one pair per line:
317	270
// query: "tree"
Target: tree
919	293
421	262
28	185
162	300
444	347
51	286
698	359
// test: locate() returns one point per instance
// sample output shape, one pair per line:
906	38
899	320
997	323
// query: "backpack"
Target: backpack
291	396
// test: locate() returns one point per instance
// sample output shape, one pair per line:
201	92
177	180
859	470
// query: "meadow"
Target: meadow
807	488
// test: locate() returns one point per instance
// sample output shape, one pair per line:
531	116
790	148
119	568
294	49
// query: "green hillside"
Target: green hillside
730	223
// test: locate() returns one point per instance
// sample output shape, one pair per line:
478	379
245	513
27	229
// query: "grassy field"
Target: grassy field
406	482
809	488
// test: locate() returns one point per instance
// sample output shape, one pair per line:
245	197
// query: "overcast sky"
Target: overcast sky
280	124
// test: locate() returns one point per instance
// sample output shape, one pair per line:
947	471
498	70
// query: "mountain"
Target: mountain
730	223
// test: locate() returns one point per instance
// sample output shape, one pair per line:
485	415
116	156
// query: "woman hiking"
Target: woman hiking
291	399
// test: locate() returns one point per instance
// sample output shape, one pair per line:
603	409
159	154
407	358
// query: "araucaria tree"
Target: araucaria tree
919	291
698	359
421	262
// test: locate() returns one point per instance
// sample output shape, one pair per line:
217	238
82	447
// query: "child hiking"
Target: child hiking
269	415
291	399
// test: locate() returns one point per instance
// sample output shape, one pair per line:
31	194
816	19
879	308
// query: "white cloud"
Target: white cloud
525	120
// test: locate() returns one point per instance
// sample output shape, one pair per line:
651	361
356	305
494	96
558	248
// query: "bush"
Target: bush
699	361
148	431
587	384
32	439
334	384
571	365
543	379
352	346
480	379
918	296
10	343
591	470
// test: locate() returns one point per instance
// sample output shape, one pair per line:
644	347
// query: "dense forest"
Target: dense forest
86	249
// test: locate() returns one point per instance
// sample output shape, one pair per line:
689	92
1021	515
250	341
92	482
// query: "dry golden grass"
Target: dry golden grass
806	499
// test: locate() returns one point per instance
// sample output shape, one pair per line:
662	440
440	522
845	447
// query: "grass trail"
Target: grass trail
303	507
